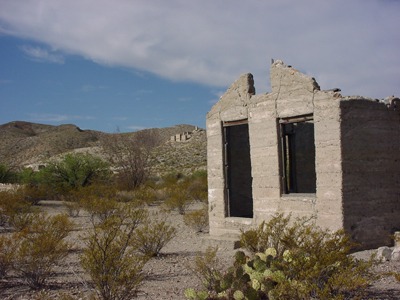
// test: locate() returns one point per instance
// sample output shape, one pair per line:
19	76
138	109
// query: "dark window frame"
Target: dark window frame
287	157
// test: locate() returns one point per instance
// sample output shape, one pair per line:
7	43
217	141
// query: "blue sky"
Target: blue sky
128	65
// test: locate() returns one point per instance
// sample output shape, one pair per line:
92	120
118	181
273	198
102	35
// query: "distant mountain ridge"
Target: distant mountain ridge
25	143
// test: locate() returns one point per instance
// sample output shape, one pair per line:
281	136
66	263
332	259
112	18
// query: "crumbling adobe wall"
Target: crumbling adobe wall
231	107
357	160
370	134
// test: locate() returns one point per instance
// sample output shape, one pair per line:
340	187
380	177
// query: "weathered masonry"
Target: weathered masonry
304	151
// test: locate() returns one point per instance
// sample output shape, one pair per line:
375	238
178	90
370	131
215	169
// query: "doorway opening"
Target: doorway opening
237	167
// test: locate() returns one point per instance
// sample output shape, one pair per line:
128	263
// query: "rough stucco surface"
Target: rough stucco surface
357	143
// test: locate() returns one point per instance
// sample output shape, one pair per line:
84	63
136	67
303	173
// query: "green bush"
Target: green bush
113	265
152	236
305	262
40	247
7	174
74	171
197	219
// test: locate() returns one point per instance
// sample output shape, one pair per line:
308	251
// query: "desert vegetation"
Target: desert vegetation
122	232
283	260
117	213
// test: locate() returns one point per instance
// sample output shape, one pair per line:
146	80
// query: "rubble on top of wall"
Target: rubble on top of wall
392	102
283	75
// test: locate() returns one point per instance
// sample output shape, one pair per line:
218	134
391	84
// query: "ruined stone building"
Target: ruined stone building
304	151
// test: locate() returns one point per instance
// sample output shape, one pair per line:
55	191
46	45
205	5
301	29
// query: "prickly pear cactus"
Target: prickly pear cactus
193	295
238	295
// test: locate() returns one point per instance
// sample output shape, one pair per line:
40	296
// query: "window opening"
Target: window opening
298	155
237	167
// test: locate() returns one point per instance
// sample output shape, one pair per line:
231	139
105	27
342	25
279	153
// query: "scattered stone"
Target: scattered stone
383	253
397	239
396	254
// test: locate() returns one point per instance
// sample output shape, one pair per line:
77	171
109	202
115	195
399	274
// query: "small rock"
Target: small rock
383	253
397	239
396	254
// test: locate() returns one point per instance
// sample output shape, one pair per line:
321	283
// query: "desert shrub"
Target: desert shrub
145	194
131	156
29	176
125	196
7	174
74	171
73	208
152	236
7	249
113	265
197	219
182	190
15	211
40	247
73	200
34	193
207	268
274	234
197	188
99	201
177	199
307	263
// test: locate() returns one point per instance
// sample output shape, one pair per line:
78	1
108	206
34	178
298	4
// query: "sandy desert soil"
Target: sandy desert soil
167	276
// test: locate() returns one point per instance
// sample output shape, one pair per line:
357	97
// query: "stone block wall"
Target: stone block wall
370	134
357	146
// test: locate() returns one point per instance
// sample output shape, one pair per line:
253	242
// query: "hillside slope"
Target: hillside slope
24	143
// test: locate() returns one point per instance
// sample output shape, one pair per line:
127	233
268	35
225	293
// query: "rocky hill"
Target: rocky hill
24	143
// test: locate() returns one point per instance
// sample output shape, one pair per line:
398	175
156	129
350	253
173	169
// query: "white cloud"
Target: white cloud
42	55
348	44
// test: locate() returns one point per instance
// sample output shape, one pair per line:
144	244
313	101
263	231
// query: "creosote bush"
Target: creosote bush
182	190
198	188
177	196
15	211
207	268
197	219
7	250
109	258
152	236
40	247
289	261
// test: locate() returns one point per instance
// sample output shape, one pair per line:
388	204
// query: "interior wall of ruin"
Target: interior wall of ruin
370	135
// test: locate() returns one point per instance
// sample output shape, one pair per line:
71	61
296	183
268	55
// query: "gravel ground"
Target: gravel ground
166	276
